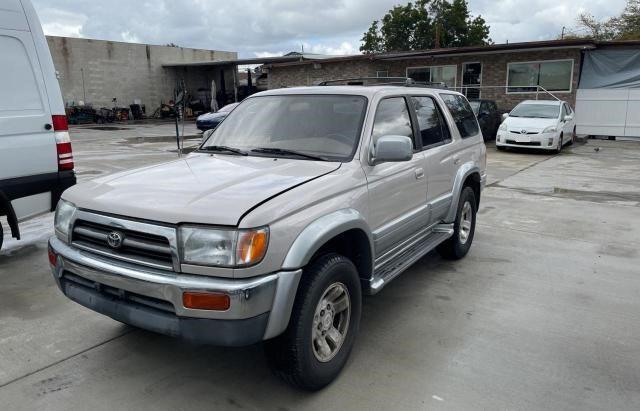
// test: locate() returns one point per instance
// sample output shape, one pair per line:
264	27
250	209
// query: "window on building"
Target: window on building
382	73
462	114
434	74
551	75
433	128
392	118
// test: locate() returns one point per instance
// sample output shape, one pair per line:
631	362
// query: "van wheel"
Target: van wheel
464	228
323	325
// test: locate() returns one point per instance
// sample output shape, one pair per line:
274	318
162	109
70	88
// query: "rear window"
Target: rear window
18	84
462	114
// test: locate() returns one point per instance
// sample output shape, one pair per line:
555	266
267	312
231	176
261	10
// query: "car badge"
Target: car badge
115	239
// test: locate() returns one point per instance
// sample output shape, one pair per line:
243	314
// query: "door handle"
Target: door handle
419	173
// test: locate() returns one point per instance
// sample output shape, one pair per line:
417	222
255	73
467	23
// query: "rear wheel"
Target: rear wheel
464	227
323	326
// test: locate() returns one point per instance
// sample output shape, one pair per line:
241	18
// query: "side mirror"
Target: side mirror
206	135
392	149
505	116
568	117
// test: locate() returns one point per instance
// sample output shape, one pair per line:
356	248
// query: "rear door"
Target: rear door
27	141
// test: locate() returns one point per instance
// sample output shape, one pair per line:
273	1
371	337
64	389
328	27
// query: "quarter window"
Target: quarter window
462	114
433	129
551	75
392	118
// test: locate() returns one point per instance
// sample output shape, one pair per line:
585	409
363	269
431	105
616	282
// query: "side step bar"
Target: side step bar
406	256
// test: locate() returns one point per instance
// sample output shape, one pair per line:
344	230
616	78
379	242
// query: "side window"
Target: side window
392	118
433	128
462	113
565	111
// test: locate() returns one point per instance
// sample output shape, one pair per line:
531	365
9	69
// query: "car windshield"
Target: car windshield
228	108
324	126
475	106
535	111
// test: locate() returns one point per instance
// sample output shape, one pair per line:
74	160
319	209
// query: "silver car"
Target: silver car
300	202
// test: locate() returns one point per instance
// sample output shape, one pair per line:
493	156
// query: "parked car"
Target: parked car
488	117
300	202
36	161
210	121
544	124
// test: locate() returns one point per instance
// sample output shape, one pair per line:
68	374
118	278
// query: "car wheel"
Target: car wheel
323	325
559	148
457	246
573	136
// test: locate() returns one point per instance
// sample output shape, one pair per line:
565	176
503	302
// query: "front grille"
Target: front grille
527	143
137	247
520	132
119	294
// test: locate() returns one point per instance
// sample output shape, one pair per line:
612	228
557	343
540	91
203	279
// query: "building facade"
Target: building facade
508	73
96	71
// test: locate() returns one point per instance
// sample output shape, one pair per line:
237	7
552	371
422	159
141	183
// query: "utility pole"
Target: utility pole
562	35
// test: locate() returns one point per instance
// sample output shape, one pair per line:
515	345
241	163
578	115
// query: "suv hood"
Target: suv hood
201	188
530	124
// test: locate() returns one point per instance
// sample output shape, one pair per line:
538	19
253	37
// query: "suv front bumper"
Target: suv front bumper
152	299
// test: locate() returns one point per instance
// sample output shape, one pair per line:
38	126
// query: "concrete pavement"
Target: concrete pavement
544	313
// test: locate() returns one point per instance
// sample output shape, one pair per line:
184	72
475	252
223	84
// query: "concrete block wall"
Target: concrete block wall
494	72
126	71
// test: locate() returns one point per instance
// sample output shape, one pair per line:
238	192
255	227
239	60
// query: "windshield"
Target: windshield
475	106
228	108
326	126
536	111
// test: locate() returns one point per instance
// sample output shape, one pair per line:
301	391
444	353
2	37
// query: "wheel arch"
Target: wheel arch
7	209
344	231
468	176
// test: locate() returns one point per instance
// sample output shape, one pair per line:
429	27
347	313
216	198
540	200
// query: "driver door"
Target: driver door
398	190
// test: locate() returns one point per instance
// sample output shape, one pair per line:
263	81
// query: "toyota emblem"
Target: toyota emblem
523	131
115	239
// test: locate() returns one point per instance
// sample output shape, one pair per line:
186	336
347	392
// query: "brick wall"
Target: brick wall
494	72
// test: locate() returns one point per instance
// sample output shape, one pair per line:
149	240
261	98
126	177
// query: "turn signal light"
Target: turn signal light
53	259
252	246
206	301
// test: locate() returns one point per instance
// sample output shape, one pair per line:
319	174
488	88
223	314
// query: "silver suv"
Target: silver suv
300	202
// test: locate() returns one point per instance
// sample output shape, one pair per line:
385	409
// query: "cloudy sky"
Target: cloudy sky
272	27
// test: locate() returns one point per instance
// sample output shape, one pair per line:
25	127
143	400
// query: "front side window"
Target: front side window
328	126
535	111
551	75
462	113
392	119
433	129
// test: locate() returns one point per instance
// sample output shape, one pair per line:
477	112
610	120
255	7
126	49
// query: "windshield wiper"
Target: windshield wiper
225	148
273	150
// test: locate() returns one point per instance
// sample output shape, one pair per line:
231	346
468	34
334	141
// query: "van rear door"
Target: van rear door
28	154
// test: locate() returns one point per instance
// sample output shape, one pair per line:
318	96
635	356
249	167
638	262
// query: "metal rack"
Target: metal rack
383	81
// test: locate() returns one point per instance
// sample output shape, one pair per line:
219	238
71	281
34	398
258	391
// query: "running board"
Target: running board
407	256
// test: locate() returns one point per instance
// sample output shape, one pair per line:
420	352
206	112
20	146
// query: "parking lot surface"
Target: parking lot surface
544	312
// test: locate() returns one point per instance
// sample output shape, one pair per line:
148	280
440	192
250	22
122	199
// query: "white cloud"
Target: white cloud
275	27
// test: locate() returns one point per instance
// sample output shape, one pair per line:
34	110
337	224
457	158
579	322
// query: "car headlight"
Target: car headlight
550	129
62	220
502	127
223	247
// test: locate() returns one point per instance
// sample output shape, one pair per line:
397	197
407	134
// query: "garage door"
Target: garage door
608	98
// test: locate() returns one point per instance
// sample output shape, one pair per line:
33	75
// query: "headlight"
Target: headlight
502	127
550	129
62	221
222	247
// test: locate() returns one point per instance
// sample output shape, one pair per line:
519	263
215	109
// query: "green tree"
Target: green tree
426	24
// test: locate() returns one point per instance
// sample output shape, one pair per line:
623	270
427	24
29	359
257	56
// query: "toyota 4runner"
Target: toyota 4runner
300	202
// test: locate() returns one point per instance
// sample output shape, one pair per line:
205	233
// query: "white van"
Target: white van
36	161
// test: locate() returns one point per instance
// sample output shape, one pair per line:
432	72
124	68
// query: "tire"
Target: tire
1	236
458	245
295	355
573	136
559	148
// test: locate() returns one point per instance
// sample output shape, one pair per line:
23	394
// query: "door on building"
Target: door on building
471	79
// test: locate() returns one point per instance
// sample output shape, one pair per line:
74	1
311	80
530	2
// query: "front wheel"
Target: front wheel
323	325
464	227
559	148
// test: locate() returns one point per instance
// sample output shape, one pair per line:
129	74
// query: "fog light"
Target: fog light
206	301
550	143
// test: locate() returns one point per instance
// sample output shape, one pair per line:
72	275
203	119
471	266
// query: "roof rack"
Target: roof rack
383	81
